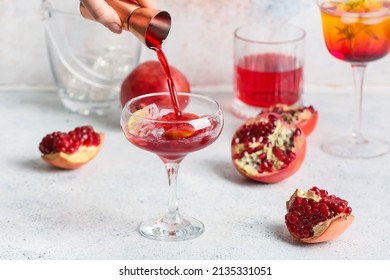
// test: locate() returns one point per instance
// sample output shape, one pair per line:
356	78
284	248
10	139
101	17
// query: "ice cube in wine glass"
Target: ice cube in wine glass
151	112
138	123
200	123
157	132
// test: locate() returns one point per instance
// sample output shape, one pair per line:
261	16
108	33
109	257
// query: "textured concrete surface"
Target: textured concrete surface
93	212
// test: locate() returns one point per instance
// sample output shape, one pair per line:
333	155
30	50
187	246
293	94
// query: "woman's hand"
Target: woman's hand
102	12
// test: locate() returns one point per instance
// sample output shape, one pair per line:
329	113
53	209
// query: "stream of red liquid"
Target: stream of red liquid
171	85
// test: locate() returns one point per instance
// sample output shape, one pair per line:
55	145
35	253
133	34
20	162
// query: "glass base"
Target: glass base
356	147
81	103
244	111
159	229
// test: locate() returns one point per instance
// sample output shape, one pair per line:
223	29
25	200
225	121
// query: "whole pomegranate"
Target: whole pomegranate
72	149
149	77
315	216
304	117
267	149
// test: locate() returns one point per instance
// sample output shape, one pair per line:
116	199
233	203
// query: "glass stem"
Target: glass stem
358	70
172	215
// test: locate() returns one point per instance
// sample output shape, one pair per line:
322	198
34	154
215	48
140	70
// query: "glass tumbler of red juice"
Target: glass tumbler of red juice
268	66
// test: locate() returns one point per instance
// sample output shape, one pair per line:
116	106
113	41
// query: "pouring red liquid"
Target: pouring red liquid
171	85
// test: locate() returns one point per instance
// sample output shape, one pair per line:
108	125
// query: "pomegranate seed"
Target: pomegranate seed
279	154
305	201
258	148
260	170
307	208
236	156
292	155
323	193
292	217
297	132
283	166
270	169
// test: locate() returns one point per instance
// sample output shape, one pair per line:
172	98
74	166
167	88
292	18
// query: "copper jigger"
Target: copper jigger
150	26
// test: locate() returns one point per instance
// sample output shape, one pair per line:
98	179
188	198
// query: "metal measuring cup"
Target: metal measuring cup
150	26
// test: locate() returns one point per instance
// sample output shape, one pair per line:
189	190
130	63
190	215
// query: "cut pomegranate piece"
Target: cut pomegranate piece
314	216
303	117
73	149
267	149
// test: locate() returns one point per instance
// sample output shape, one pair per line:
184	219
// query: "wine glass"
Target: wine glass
150	123
358	32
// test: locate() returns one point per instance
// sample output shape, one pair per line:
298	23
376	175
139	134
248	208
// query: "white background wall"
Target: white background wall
200	42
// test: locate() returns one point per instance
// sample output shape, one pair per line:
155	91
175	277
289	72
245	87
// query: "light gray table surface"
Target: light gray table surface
93	212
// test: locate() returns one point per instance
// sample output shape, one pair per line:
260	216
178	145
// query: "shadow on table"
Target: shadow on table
227	171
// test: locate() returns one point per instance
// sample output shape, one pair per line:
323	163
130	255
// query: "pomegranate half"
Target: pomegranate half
314	216
267	149
304	117
72	149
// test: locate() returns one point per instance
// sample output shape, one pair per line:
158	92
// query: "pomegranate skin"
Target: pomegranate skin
335	228
149	77
313	216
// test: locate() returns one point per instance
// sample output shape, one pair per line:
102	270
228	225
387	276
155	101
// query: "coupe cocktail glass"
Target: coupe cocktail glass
149	122
358	32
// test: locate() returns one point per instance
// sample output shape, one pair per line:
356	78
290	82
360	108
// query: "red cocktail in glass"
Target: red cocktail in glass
264	80
268	66
150	124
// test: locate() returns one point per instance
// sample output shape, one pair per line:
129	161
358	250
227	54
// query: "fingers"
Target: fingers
147	3
104	13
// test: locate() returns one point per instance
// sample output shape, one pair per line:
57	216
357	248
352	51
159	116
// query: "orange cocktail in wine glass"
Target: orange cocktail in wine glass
358	32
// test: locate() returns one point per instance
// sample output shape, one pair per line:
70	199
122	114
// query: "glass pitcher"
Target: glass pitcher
88	62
